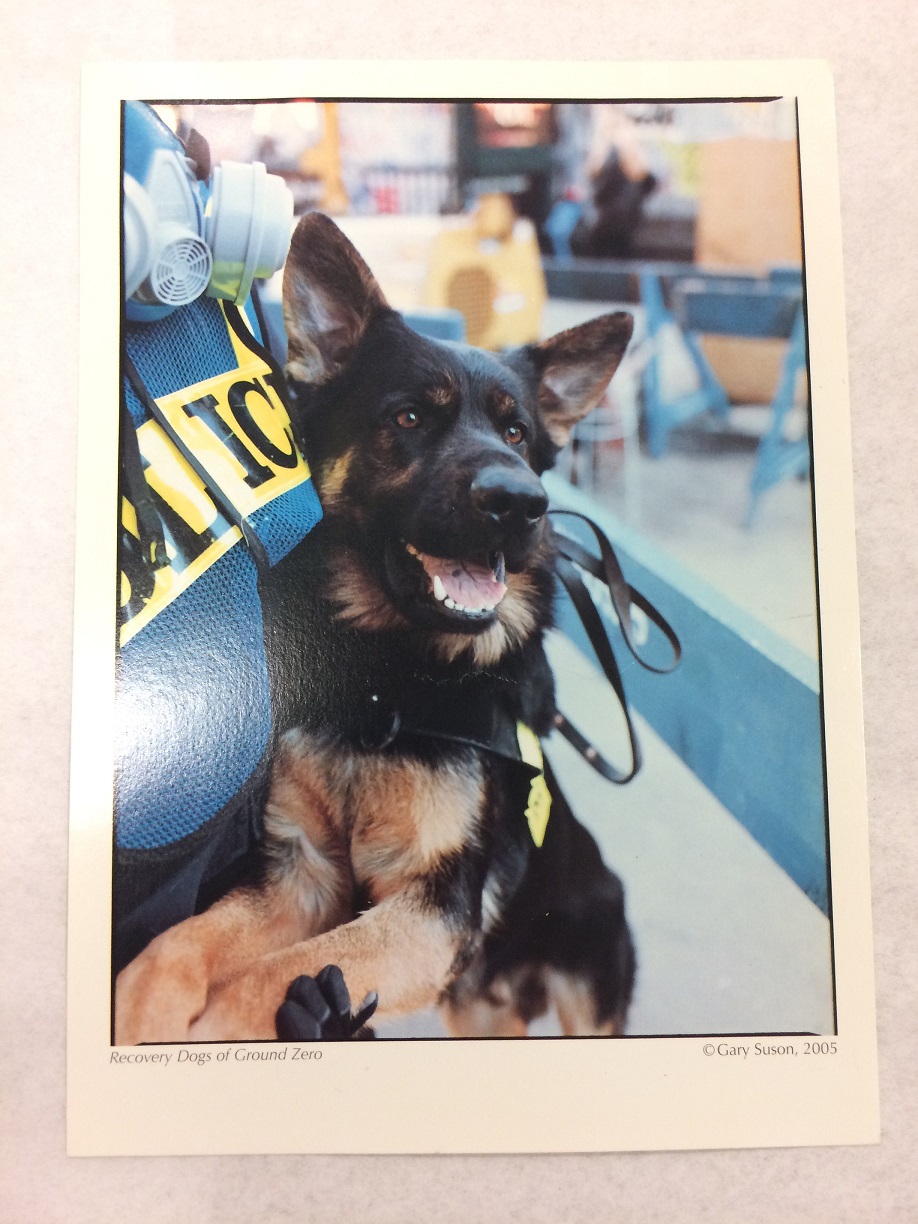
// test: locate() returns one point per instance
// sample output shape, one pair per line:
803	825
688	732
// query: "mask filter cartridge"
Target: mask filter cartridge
248	224
183	238
166	261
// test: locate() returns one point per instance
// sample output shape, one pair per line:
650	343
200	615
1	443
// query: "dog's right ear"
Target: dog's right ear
330	295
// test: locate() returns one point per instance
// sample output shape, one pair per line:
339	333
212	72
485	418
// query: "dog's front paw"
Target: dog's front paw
319	1009
315	1009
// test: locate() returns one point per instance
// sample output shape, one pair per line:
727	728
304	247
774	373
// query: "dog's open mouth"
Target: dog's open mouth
465	589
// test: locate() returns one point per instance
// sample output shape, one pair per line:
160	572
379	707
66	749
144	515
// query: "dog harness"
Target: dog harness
482	710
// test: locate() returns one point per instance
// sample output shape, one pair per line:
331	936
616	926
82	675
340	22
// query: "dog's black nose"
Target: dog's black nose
509	496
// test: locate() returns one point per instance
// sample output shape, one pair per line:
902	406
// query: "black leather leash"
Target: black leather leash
572	557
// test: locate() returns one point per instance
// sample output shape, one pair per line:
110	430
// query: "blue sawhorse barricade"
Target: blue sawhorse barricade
744	306
702	302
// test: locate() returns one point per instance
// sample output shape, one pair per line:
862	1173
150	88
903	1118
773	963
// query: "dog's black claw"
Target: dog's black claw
319	1009
366	1010
330	981
308	995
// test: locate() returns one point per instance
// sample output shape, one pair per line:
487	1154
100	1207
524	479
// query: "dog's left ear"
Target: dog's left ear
330	295
575	367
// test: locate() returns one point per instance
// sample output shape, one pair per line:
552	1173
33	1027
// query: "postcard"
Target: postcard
467	749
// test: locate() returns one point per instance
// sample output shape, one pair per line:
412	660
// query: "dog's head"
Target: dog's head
427	456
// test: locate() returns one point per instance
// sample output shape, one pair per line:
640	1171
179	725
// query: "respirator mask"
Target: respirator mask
184	237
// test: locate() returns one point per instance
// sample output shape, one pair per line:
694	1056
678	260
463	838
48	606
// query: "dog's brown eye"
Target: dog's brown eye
515	433
407	419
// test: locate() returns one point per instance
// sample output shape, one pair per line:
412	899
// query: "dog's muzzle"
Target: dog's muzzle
457	581
508	502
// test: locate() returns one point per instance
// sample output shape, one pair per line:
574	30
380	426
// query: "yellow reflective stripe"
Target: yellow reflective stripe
169	584
215	456
169	475
238	429
269	422
129	518
538	805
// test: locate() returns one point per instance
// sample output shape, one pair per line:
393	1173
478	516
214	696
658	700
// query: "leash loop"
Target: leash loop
607	569
572	555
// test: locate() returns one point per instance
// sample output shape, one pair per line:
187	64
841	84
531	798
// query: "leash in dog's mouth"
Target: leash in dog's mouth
464	587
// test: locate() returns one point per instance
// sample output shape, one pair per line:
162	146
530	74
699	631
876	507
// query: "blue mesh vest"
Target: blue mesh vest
213	489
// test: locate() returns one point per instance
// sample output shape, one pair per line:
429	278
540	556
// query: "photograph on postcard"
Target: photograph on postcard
468	661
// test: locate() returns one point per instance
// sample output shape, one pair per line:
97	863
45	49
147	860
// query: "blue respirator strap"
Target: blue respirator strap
233	515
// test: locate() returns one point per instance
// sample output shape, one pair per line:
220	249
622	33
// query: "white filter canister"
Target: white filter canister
248	224
165	262
139	235
182	267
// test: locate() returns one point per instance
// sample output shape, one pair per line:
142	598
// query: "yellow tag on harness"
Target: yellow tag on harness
538	807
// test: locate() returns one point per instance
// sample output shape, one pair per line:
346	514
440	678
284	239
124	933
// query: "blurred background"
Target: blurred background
505	222
501	223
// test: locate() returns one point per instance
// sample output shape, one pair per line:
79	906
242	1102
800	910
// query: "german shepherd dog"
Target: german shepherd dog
405	639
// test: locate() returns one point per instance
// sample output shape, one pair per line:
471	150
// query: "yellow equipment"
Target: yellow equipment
488	268
323	161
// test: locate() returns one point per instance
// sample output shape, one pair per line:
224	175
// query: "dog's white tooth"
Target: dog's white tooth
439	590
448	603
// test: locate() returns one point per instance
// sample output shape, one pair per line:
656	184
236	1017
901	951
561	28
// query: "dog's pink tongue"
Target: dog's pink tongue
465	583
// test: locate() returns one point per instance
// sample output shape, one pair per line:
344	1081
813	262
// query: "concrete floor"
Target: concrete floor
726	941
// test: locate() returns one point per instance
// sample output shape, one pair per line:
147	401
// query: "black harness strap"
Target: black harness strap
269	338
149	524
475	712
230	512
262	348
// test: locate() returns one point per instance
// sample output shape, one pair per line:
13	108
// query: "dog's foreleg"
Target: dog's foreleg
402	948
163	990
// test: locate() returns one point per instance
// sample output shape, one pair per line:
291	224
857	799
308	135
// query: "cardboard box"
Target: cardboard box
748	218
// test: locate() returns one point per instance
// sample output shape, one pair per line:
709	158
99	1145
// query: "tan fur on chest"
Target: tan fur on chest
371	820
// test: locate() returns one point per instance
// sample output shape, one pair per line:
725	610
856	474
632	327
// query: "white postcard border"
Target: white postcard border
483	1096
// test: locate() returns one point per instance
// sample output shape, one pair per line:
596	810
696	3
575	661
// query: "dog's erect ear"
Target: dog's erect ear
330	296
575	367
